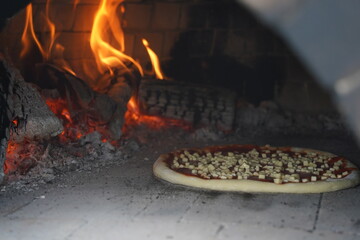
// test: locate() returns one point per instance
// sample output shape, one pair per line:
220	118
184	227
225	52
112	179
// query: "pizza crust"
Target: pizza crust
162	171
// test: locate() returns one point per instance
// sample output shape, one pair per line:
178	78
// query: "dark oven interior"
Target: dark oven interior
93	91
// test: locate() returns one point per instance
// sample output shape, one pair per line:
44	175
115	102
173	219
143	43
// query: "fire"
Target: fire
50	50
107	27
134	117
10	164
76	2
29	34
72	129
154	60
107	42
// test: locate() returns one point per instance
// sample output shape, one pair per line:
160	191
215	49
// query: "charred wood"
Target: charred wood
23	113
6	86
105	109
34	119
195	104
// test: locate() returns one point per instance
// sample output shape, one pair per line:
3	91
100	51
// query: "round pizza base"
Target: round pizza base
162	171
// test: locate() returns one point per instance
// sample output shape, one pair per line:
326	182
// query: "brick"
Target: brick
76	45
129	44
170	39
40	25
85	68
265	40
137	16
194	16
219	15
221	42
11	44
195	43
86	51
251	42
294	96
16	23
166	16
63	16
156	42
84	18
242	18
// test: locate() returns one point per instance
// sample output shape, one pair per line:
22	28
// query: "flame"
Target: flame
76	2
53	51
29	31
107	26
58	59
72	129
134	117
154	60
52	28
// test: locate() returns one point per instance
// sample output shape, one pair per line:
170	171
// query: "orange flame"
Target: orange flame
154	60
29	31
52	51
134	117
76	2
106	26
52	28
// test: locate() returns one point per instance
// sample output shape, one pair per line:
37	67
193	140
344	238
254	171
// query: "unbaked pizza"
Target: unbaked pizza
251	168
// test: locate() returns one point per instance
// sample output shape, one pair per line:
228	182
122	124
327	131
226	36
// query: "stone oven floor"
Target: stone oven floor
125	201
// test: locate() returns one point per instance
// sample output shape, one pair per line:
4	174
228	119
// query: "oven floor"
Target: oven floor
126	202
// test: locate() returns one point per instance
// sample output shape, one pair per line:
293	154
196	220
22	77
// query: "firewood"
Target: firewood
6	85
31	117
195	104
106	109
23	113
35	121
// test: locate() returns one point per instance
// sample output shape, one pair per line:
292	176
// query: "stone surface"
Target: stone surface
126	202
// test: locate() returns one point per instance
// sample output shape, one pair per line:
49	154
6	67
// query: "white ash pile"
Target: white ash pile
269	118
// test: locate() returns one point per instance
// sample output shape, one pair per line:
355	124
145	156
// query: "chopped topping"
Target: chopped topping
278	166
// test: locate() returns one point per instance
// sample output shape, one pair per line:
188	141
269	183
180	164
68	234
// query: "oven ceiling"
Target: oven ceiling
325	34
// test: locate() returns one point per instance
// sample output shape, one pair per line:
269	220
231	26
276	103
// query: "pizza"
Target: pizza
251	168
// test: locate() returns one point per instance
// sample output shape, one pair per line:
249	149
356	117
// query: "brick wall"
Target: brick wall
211	42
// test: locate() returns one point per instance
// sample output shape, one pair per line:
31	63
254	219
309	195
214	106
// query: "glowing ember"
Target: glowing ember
134	117
19	157
10	163
72	130
108	46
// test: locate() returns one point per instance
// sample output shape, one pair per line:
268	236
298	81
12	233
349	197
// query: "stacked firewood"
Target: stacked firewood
198	105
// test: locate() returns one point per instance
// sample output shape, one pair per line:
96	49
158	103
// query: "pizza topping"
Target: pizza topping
262	164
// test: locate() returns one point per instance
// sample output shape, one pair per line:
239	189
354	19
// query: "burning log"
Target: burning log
6	86
30	116
24	114
105	111
195	104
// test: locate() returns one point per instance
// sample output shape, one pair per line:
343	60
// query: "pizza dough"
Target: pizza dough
251	168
